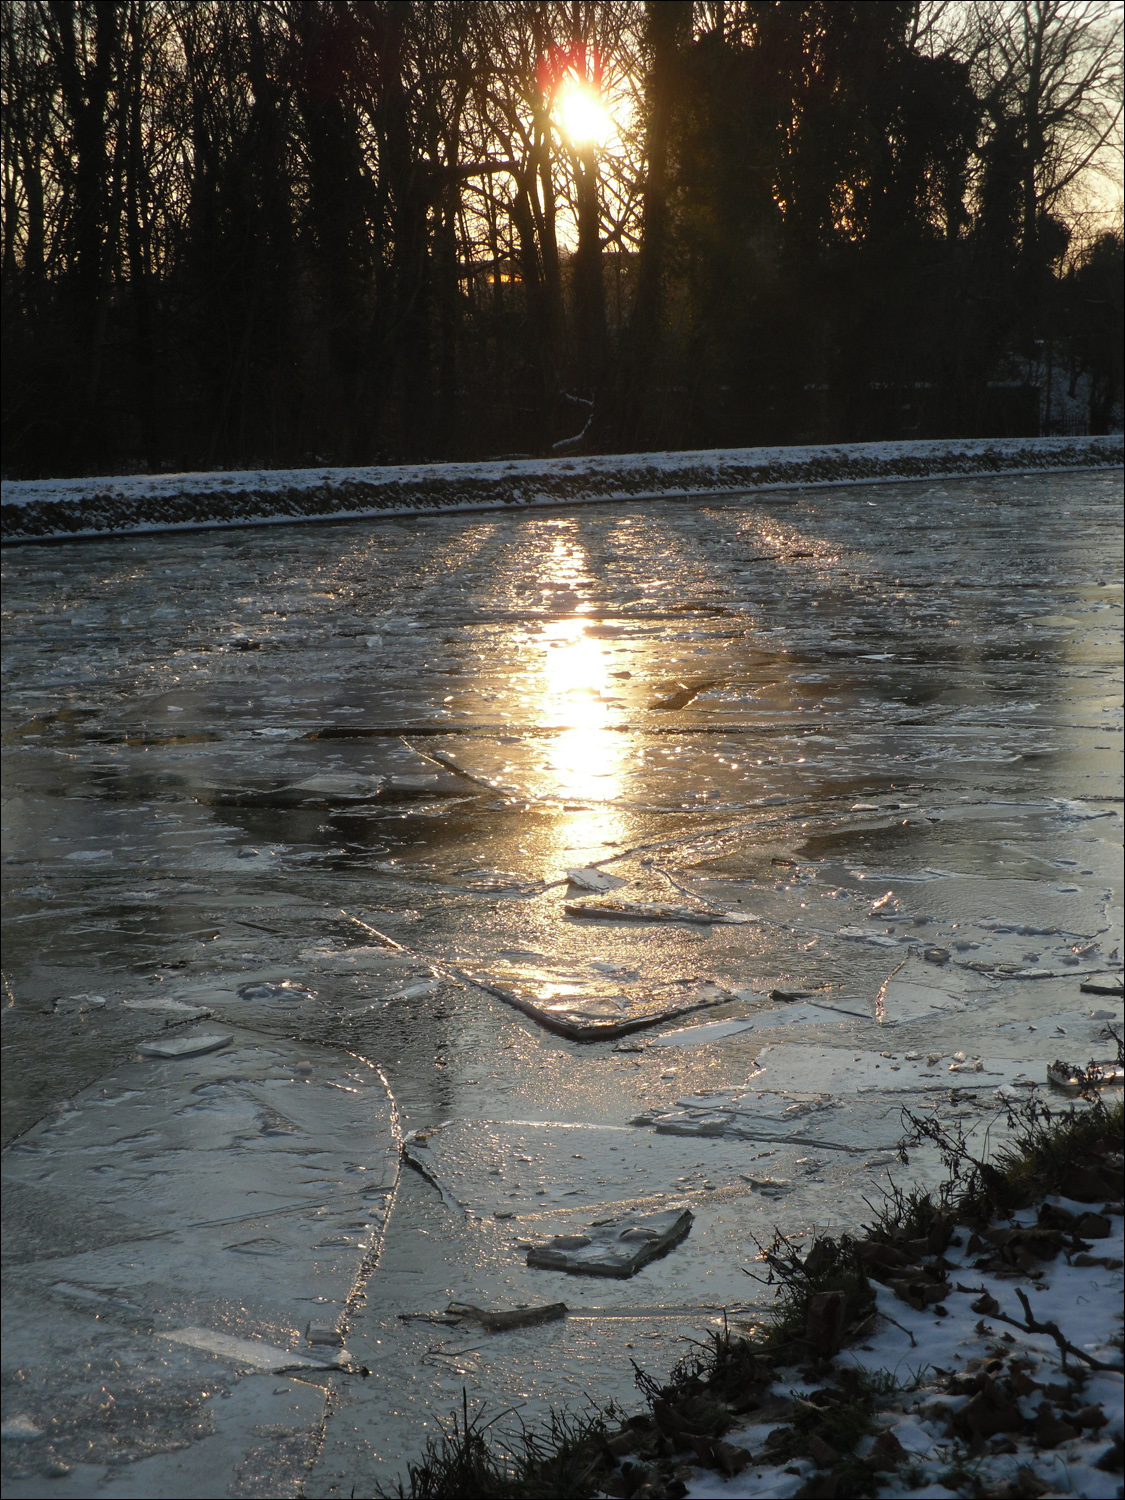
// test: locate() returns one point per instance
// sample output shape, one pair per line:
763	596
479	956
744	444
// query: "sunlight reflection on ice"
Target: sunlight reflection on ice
586	754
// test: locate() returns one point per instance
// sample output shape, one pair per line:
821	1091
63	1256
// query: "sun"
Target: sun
584	118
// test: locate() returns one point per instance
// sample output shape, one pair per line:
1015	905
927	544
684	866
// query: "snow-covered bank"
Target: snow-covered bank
982	1405
55	509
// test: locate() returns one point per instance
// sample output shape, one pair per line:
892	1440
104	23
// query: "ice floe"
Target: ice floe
619	910
589	1008
617	1247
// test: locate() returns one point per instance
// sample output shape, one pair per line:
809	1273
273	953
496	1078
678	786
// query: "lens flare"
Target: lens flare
584	118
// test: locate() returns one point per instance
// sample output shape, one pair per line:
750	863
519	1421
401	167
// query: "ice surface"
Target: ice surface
771	1018
526	1170
209	1199
837	1070
252	819
836	1099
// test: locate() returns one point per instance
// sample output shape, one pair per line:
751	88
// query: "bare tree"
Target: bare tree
1049	73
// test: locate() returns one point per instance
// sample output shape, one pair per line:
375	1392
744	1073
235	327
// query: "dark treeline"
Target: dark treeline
281	232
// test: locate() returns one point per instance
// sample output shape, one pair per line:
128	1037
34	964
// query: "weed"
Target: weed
829	1266
879	1385
910	1214
727	1364
854	1477
1047	1146
962	1475
558	1462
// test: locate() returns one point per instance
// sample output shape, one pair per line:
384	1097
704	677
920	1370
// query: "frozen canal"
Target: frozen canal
310	795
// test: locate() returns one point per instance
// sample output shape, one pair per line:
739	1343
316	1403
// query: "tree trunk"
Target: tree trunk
137	242
668	28
589	289
85	94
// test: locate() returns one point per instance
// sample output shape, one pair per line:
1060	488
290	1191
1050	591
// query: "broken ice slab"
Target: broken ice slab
915	991
810	1121
253	1354
324	1333
482	879
700	1036
574	1005
772	1018
322	791
769	1187
865	935
406	788
856	1106
363	959
326	790
619	910
1075	1080
619	1247
178	1009
501	1320
1103	984
283	991
1074	809
597	881
194	1044
20	1429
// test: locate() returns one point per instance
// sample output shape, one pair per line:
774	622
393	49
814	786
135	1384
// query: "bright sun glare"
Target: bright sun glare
585	119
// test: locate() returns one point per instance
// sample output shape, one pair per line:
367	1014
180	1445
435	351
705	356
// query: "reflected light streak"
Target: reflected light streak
586	754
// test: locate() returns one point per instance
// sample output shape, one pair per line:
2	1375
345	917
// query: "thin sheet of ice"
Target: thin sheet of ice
773	1018
835	1098
838	1070
216	1201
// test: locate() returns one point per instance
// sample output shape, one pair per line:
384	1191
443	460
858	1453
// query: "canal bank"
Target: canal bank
62	509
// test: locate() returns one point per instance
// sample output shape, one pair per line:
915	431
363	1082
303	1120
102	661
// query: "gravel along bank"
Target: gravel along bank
58	509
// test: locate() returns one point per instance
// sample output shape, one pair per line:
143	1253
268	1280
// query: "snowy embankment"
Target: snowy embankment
54	509
984	1403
